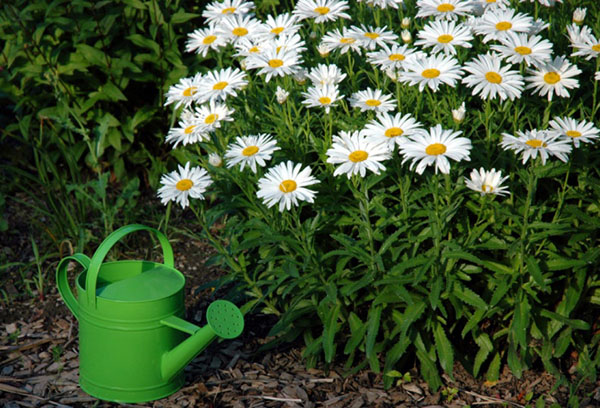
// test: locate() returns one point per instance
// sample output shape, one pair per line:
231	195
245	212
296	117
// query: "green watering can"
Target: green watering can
132	345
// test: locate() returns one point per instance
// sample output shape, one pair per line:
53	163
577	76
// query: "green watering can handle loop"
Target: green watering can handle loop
108	243
62	281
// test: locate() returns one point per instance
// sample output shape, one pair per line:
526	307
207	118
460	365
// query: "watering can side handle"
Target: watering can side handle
62	281
108	243
178	323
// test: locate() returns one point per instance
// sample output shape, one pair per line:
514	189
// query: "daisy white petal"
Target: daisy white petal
285	184
432	71
487	182
185	92
393	57
554	77
371	37
274	62
219	10
435	147
534	142
343	41
577	131
517	48
321	10
444	9
391	130
217	85
374	100
190	131
237	27
276	26
180	185
211	115
204	39
326	75
490	80
496	24
251	151
324	96
444	36
356	154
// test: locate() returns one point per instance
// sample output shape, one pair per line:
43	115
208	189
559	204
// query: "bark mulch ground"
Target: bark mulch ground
39	360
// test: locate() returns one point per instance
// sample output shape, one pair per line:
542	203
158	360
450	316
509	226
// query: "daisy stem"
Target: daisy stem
351	69
531	185
165	219
362	193
437	230
595	96
398	95
547	114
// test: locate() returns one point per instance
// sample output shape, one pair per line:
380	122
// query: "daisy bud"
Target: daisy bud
579	15
393	74
300	76
281	95
597	76
215	160
459	114
405	23
312	35
243	64
406	37
323	50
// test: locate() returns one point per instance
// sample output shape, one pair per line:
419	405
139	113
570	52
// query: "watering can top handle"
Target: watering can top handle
108	243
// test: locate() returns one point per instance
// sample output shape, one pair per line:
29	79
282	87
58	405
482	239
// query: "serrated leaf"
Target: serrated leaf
435	291
373	322
444	349
573	323
520	321
514	361
535	271
468	296
493	371
429	371
330	328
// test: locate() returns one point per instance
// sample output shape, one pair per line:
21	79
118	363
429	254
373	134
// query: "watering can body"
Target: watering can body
133	342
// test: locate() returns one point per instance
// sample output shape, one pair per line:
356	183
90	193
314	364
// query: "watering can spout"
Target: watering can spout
225	320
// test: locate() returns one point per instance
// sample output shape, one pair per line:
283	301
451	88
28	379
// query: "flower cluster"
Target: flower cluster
518	60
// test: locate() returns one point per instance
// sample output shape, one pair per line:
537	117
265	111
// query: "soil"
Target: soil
39	352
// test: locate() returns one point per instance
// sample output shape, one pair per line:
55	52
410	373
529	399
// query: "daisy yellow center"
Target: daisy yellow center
228	10
393	132
287	186
347	40
358	156
189	129
372	102
523	50
493	77
536	143
486	188
254	49
211	118
275	63
209	39
322	10
445	7
435	149
490	1
596	47
372	36
431	73
190	91
277	30
325	100
445	38
250	150
219	86
240	31
503	26
573	133
551	78
184	185
397	57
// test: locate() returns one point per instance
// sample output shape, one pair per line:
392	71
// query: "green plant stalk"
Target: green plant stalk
531	185
595	96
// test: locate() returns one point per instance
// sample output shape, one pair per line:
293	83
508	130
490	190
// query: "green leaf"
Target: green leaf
373	321
92	55
330	328
181	17
535	271
429	371
520	321
444	349
144	42
514	362
468	296
435	291
573	323
493	372
560	264
112	92
358	330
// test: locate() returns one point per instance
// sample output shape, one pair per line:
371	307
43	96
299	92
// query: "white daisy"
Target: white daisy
212	114
435	147
383	4
517	48
179	185
190	130
248	47
487	182
237	27
547	3
579	15
432	71
275	63
217	85
578	34
291	42
495	24
458	115
391	130
282	24
281	95
343	41
489	79
251	150
286	184
323	96
204	39
393	58
587	46
219	10
577	131
356	154
443	36
321	10
555	76
444	9
185	92
532	142
597	76
538	26
374	100
326	75
482	6
371	37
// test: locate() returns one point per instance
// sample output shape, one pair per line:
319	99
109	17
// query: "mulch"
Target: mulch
39	359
